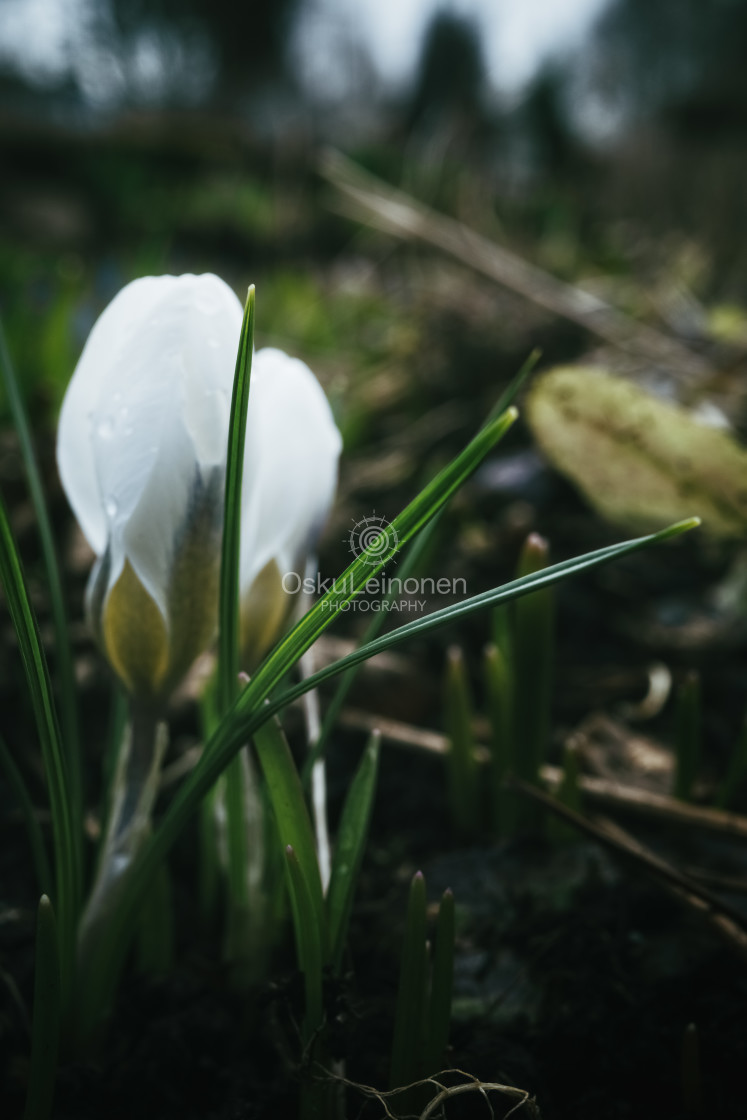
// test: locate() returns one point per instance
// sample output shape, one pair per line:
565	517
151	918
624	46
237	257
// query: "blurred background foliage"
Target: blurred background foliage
156	136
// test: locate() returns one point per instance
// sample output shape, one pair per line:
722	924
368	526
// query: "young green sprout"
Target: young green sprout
423	1010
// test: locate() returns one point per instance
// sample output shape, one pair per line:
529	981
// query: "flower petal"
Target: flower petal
290	465
145	419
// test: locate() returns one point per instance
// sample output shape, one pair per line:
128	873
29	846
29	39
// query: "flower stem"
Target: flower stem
134	793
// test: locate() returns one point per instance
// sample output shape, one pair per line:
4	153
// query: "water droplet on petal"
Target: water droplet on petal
105	429
111	508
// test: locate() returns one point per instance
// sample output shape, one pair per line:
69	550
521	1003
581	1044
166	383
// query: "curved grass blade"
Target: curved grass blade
65	673
33	831
504	594
67	867
351	844
45	1026
292	818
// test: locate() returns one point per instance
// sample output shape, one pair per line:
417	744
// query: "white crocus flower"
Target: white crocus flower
289	481
141	451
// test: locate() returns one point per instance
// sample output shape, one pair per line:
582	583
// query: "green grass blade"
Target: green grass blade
45	1027
350	847
439	1018
504	594
66	851
409	1018
65	672
294	826
33	829
689	719
228	636
308	942
533	658
228	629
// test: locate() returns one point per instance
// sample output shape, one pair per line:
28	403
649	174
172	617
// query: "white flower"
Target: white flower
290	476
141	450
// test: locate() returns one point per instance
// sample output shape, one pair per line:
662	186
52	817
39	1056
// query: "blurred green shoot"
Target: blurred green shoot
45	1024
462	765
533	657
410	1012
688	736
442	983
423	1009
498	682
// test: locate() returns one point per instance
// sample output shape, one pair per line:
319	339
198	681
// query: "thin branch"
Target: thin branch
370	199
